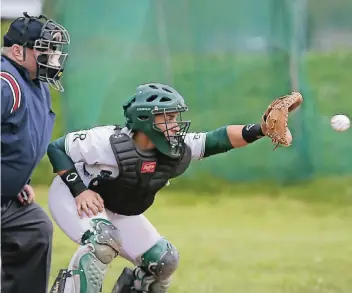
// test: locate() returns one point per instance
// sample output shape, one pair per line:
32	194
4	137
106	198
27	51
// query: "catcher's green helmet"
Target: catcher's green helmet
152	99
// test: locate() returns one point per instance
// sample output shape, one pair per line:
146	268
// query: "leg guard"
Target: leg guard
99	246
154	274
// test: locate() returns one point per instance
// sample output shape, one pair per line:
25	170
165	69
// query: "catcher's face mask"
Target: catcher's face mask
52	58
173	127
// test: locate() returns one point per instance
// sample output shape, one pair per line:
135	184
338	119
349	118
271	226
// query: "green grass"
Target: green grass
249	241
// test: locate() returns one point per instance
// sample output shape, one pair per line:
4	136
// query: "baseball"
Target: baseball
340	122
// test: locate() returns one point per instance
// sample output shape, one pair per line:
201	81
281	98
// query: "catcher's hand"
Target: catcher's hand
90	203
275	119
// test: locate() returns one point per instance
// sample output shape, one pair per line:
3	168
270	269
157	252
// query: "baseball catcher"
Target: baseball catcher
108	177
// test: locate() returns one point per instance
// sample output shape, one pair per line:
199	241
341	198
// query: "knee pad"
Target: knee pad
161	260
104	238
157	266
88	266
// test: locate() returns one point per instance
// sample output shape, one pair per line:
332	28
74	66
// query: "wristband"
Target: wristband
252	132
73	182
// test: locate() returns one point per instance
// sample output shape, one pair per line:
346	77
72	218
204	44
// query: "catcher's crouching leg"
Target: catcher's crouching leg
87	268
154	274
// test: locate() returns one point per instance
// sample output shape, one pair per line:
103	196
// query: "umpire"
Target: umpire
32	58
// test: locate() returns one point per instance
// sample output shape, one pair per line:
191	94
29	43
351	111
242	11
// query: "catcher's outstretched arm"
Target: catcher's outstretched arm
273	125
228	137
241	135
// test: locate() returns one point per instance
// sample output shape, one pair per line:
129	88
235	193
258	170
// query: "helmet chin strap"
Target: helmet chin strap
27	18
24	54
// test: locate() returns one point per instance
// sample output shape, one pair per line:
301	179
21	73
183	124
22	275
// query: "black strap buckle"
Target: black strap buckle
60	281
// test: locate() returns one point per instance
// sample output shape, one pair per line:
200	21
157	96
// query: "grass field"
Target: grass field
258	243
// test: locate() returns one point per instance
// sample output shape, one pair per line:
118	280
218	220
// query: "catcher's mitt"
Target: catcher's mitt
275	119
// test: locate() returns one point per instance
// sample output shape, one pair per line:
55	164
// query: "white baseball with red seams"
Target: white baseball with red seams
340	122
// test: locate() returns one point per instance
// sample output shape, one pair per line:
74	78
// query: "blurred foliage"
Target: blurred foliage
247	82
329	75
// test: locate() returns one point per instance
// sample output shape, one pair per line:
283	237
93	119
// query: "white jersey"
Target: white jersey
92	148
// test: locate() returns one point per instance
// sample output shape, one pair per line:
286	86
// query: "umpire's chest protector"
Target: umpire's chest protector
141	176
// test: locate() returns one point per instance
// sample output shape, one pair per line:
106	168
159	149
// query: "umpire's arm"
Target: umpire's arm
9	105
8	101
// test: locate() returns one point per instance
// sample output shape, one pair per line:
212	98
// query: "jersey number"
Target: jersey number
80	136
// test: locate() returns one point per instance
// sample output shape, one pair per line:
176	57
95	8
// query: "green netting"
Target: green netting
229	59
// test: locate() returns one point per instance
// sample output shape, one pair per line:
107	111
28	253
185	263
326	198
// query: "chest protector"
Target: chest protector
141	176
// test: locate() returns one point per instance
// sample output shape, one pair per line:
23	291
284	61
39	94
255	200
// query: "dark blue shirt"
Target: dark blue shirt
26	126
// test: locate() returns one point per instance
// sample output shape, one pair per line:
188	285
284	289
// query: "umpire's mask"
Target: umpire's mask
51	61
48	38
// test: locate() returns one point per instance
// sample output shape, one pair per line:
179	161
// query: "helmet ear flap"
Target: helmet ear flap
127	111
129	102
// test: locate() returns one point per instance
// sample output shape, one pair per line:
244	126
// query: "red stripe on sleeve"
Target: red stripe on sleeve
15	89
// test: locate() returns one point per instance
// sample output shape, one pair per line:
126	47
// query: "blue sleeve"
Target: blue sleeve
6	100
10	94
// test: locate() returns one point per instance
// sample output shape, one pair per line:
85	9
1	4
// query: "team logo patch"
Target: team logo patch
148	167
